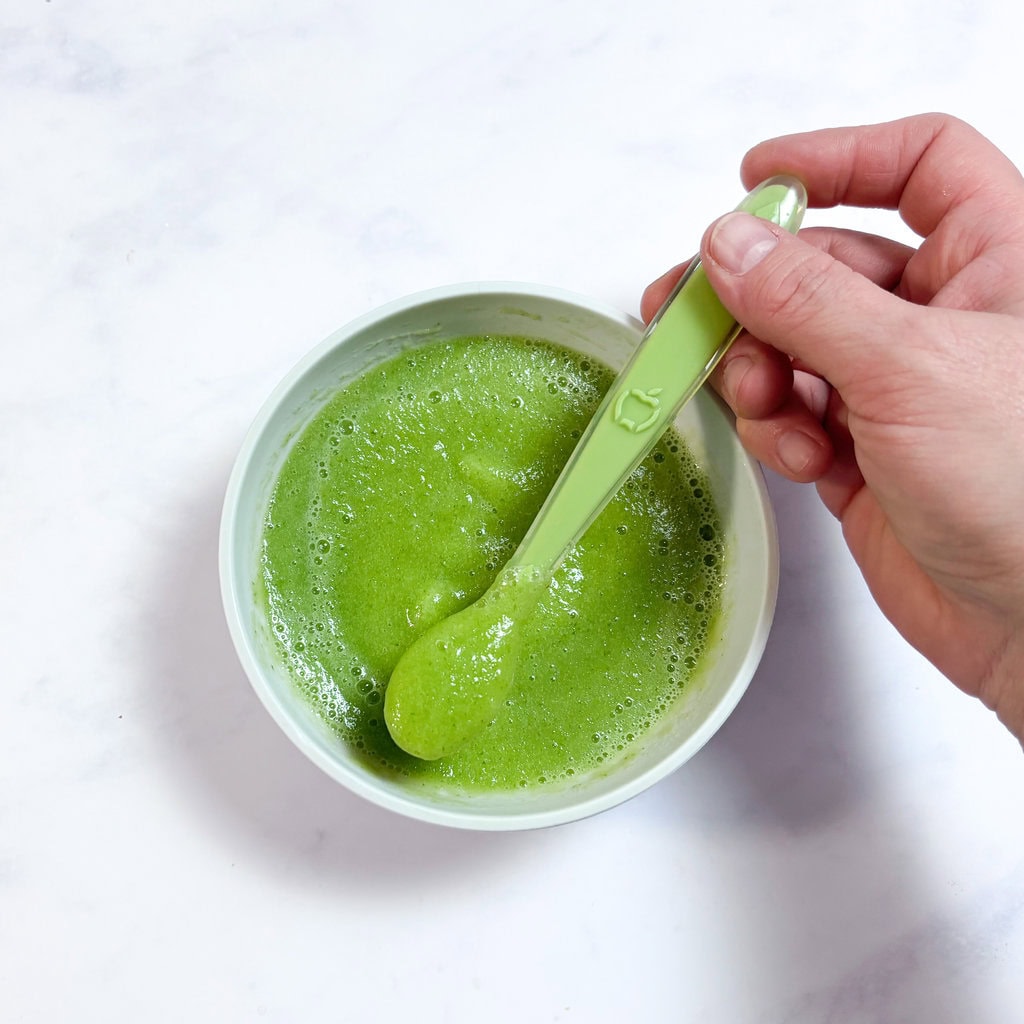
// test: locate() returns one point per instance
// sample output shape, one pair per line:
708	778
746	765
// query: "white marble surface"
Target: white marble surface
192	195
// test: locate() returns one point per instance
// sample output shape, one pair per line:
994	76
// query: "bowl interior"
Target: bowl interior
737	484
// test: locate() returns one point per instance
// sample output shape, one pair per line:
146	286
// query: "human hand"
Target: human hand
893	377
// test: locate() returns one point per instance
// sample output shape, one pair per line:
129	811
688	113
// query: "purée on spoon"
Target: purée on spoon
448	685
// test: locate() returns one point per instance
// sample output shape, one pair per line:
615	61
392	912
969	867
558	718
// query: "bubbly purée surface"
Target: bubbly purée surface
410	489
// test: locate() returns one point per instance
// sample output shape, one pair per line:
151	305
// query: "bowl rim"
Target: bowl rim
401	803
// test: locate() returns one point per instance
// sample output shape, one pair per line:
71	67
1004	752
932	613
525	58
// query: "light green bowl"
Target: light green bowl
589	327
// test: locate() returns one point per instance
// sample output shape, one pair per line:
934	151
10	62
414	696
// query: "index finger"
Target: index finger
924	166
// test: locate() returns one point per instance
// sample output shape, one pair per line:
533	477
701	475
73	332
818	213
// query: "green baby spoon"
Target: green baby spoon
449	685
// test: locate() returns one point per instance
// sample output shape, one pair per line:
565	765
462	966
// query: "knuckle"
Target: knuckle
797	288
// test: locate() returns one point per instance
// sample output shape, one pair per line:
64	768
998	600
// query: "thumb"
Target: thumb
801	300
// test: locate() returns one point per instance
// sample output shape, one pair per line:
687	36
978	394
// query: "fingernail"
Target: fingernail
740	241
796	451
733	374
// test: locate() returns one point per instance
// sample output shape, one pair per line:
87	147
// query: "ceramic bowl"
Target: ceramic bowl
590	327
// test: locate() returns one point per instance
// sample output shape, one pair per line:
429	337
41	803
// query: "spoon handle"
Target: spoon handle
678	351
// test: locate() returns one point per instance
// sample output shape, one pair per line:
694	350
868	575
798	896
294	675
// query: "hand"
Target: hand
893	377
